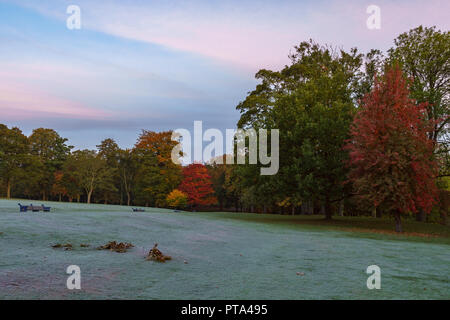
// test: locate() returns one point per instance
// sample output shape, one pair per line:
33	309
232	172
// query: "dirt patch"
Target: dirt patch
117	247
156	255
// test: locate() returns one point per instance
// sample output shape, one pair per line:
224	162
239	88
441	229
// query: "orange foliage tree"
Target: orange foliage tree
197	185
391	156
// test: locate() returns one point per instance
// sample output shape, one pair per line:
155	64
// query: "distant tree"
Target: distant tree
14	150
52	150
157	175
58	188
197	185
109	151
390	153
218	169
177	199
89	171
70	182
127	170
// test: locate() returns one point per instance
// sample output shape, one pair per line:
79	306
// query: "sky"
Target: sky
161	65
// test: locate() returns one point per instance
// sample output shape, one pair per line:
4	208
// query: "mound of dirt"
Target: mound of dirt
66	246
117	247
156	255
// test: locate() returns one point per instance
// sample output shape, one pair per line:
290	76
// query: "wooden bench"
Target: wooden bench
34	208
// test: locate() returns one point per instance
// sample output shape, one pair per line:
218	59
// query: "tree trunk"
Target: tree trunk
59	197
128	199
322	208
374	212
8	189
78	198
293	210
328	212
89	196
378	213
398	222
341	208
420	215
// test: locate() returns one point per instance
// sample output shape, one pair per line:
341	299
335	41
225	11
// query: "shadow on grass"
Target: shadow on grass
366	227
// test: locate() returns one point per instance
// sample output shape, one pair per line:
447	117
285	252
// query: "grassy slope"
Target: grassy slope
229	255
382	228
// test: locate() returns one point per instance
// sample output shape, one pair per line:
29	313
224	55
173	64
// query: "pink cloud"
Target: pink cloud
251	34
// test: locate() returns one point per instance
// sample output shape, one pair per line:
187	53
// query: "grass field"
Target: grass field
228	255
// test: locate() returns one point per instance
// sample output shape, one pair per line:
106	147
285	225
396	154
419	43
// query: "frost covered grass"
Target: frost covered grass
214	256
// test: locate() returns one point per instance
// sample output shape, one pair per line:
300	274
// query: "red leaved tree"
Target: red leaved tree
197	185
391	157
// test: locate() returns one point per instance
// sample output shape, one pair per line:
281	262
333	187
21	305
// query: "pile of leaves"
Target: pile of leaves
156	255
117	247
66	246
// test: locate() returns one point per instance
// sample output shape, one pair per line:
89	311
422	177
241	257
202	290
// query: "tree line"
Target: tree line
359	134
43	166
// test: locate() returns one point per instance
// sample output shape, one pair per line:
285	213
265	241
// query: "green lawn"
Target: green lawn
215	255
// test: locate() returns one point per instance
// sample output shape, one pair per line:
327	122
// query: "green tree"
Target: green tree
89	171
311	102
14	152
109	151
52	150
127	169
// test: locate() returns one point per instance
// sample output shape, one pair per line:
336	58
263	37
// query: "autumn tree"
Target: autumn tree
177	199
157	175
58	188
390	151
197	185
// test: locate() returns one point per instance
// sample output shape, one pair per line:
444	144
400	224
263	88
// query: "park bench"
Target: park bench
34	208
